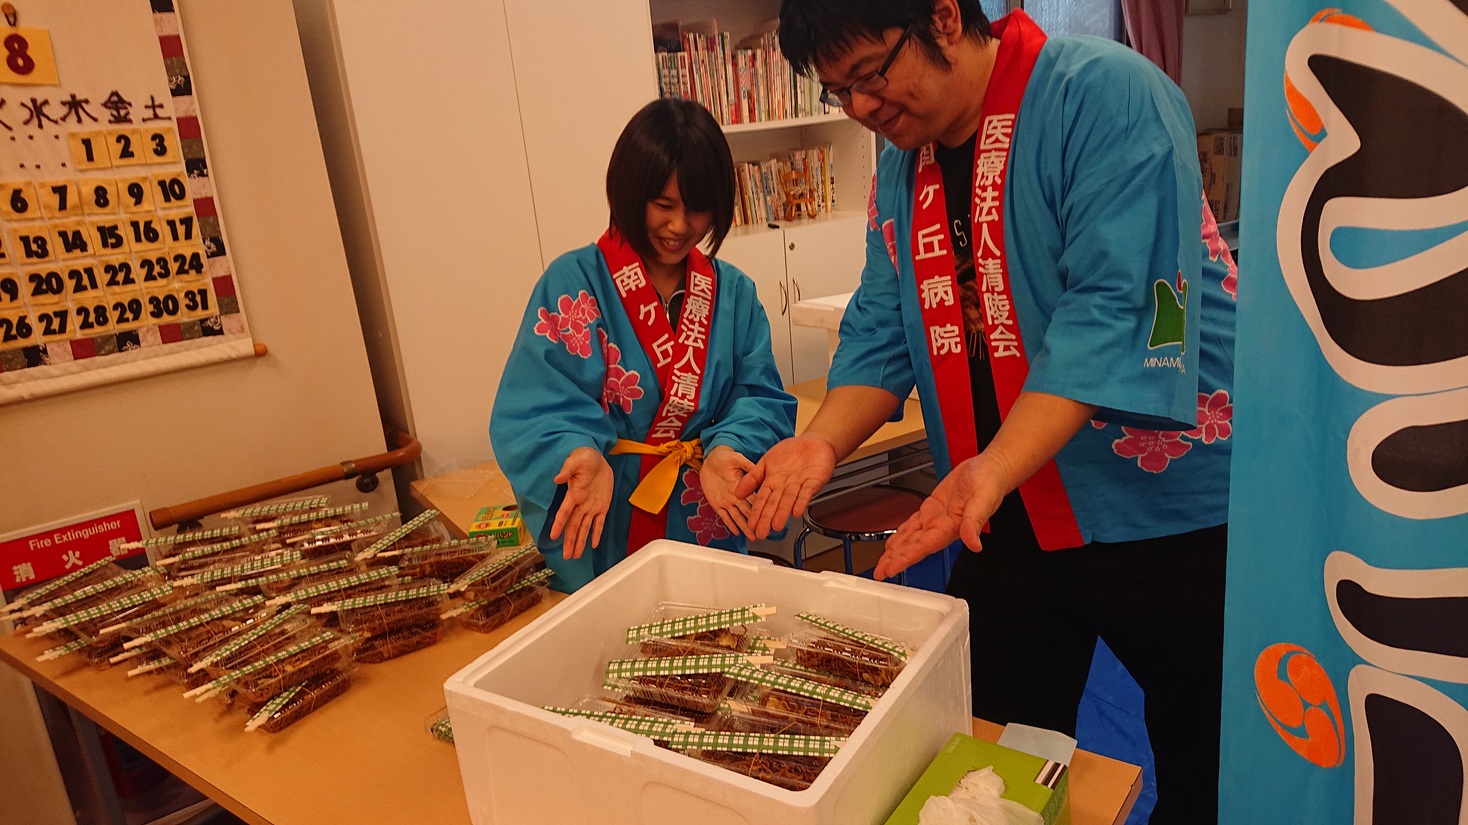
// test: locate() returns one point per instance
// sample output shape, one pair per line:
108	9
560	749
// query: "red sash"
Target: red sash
1044	494
678	360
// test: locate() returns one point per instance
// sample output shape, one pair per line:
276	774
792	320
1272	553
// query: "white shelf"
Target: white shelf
787	123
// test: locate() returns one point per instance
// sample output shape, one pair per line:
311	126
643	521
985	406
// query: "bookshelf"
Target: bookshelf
787	259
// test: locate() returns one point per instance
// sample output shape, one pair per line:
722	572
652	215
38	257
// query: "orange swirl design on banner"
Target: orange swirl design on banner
1306	122
1301	704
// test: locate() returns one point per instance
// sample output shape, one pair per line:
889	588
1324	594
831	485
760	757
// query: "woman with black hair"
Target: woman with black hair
641	386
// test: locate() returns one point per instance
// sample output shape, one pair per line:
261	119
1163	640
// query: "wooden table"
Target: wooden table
366	757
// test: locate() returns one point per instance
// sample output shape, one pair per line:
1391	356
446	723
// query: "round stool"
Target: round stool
860	514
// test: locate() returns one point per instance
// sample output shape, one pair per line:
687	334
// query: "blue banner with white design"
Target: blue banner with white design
1346	654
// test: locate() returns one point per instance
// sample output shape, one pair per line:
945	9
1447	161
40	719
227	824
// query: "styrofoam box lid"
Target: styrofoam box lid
522	764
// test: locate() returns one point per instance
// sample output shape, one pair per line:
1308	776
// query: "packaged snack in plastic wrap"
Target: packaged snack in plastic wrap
791	762
789	667
846	652
794	704
263	679
401	605
210	654
695	683
640	720
255	515
397	642
341	538
484	615
490	578
686	630
391	622
98	571
442	560
165	547
338	587
272	583
420	531
199	621
87	611
292	525
439	726
104	584
225	571
193	560
298	701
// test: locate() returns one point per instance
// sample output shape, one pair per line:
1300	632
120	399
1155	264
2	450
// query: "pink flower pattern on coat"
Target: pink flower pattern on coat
1215	418
1218	248
705	524
571	325
1153	449
621	386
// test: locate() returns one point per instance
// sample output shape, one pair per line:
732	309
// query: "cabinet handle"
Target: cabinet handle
796	286
784	299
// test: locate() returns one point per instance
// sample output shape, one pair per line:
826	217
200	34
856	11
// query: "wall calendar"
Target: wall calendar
113	260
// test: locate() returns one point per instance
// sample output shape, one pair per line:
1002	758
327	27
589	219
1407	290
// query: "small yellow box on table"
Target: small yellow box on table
500	522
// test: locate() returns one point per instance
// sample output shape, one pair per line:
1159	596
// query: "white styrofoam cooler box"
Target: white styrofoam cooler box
523	765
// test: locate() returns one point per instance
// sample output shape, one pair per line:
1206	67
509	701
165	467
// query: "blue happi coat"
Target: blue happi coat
1109	249
578	377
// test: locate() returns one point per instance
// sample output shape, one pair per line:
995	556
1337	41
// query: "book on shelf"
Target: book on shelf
794	185
748	81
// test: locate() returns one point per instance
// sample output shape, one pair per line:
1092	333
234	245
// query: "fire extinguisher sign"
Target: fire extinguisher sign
35	554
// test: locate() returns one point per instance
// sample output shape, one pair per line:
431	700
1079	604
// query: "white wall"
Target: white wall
172	438
1213	64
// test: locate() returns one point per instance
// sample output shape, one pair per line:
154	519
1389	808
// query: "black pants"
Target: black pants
1034	618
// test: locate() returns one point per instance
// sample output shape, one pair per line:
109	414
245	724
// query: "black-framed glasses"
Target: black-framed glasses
869	83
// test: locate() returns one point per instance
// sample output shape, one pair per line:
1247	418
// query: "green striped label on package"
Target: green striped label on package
672	665
686	625
757	743
869	639
275	508
799	686
490	565
398	534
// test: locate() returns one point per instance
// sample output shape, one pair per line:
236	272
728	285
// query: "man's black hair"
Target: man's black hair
816	31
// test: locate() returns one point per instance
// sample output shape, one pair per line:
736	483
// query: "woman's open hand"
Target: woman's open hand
583	511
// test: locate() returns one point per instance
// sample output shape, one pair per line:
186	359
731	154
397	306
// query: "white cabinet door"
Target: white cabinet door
581	70
821	258
448	203
761	255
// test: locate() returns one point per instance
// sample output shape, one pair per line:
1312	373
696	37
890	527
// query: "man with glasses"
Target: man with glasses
1042	266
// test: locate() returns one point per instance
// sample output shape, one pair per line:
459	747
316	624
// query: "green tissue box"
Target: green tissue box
1032	781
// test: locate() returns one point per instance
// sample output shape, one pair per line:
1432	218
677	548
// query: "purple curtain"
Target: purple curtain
1155	28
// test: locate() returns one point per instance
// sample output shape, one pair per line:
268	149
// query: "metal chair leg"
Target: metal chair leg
799	550
846	549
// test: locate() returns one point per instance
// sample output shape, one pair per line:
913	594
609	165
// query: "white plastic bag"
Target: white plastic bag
977	801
